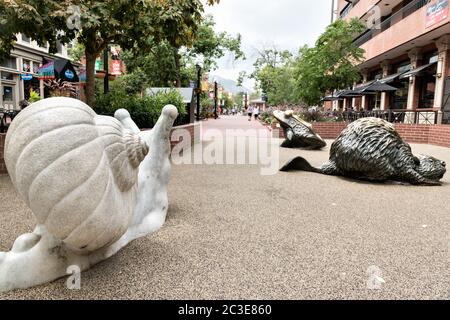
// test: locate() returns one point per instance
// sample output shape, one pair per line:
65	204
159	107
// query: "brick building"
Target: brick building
407	45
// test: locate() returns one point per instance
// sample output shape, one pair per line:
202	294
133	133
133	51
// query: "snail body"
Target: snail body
76	170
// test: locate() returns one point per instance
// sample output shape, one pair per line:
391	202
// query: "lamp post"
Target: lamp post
332	11
199	89
215	99
106	67
2	114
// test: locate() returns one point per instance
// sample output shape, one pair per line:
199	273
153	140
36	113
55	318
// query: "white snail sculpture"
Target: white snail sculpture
94	183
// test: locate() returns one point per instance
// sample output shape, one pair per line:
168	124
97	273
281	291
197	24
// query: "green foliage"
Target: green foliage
146	110
34	96
128	24
76	53
211	46
274	74
331	64
134	82
166	63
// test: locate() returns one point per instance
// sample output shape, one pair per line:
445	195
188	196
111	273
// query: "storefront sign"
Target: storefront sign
98	65
437	12
205	86
69	74
116	69
27	76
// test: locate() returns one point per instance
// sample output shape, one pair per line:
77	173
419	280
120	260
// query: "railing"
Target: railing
389	22
446	117
6	116
423	116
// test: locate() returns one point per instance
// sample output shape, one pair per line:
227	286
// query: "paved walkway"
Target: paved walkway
238	122
232	233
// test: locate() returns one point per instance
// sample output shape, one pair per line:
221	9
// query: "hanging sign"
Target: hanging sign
69	74
98	65
116	68
27	76
436	12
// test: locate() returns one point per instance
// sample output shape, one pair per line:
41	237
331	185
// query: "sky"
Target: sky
285	24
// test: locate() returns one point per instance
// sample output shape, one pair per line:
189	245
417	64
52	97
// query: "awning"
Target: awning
416	71
58	69
331	98
363	85
392	77
348	94
378	87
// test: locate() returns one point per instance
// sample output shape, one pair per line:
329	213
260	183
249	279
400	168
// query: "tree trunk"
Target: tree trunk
177	67
90	78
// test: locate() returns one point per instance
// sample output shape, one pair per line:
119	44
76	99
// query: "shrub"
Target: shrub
146	110
34	96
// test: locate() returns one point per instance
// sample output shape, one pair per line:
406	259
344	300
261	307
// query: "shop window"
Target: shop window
431	57
25	39
35	67
8	94
400	97
428	89
404	67
7	76
10	62
31	85
26	65
375	75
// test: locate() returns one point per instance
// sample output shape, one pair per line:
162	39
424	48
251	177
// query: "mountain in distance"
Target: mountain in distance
229	85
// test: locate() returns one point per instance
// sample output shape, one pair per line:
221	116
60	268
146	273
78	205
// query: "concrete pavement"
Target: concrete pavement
232	233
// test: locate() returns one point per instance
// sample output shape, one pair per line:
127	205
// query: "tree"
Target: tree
125	23
331	64
168	64
274	75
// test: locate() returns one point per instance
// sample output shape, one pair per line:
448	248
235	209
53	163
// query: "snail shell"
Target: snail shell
76	170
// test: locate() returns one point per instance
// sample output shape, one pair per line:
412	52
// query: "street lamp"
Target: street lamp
215	99
199	89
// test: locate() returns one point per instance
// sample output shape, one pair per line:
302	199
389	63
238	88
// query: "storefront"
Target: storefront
9	83
18	78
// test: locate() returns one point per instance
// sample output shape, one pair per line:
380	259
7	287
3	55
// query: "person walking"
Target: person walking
256	112
250	112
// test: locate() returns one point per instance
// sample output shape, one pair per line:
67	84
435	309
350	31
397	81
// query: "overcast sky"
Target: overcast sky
285	24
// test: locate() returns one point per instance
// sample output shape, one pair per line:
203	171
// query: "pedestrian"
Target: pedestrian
256	112
250	112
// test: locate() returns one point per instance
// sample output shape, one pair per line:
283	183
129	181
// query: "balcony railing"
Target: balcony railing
390	21
422	116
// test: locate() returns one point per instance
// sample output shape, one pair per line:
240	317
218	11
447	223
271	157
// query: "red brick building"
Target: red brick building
407	45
